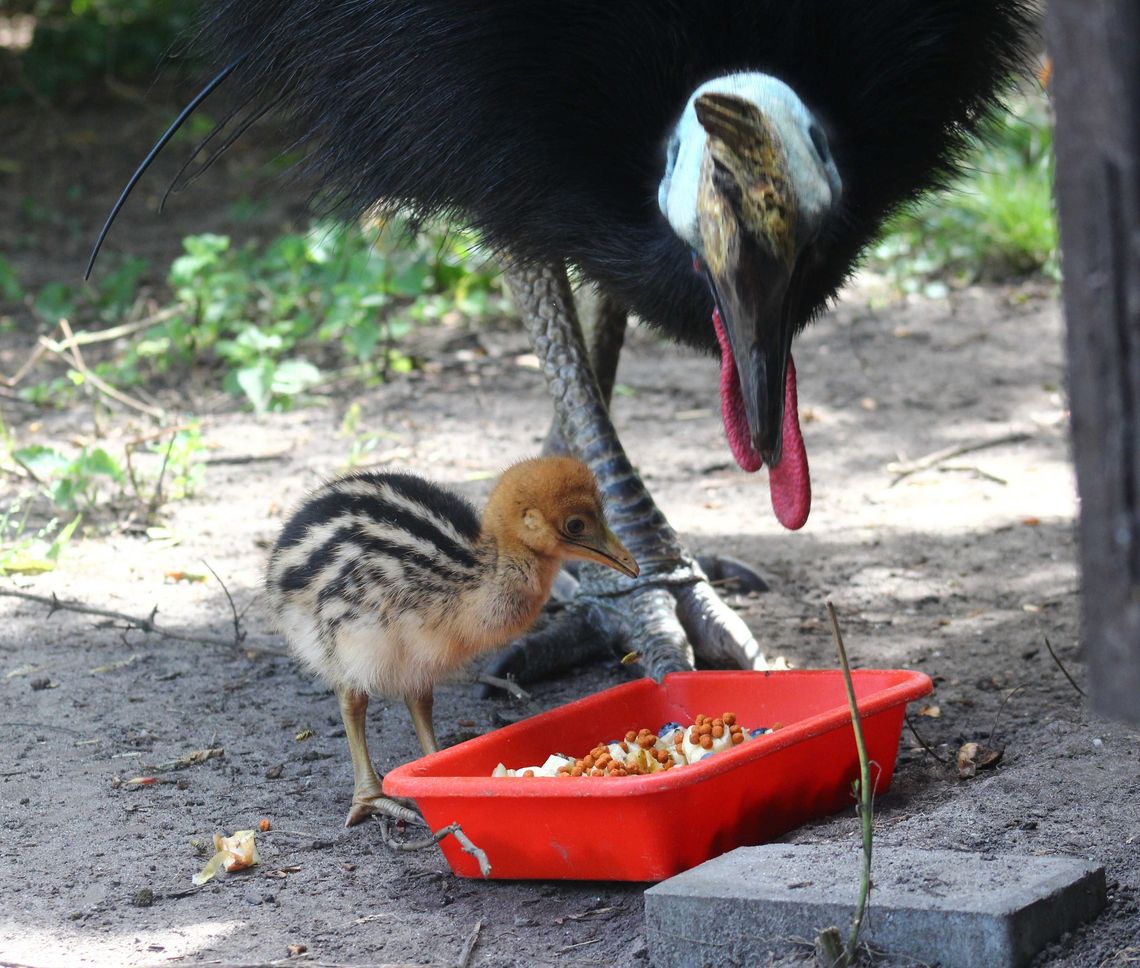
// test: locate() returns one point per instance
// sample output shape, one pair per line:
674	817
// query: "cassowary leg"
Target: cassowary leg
605	336
367	795
670	610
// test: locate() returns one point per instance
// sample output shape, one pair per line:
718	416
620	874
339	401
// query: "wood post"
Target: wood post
1095	45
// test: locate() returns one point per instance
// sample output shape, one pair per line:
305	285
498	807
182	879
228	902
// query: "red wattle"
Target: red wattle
790	480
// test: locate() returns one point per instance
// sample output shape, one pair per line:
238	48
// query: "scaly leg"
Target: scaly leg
670	610
420	708
367	794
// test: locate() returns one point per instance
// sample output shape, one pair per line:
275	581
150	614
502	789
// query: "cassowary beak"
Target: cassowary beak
605	548
746	208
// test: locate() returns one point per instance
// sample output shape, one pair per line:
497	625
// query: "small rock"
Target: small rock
40	683
143	898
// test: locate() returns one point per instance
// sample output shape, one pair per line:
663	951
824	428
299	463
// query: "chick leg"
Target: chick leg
420	708
670	610
367	794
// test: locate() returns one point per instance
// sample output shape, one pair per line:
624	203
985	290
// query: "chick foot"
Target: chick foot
670	614
367	791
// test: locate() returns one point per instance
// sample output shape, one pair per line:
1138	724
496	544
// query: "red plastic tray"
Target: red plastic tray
649	828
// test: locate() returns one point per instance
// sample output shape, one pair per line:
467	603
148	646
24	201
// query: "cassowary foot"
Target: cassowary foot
667	619
732	574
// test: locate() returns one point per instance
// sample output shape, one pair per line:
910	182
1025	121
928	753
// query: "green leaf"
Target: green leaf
43	462
295	376
256	382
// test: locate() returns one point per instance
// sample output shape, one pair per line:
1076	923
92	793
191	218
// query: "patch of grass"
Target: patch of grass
997	223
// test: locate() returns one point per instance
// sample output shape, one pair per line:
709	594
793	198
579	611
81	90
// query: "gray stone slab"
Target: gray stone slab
961	910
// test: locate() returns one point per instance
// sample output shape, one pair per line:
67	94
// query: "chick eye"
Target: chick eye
575	527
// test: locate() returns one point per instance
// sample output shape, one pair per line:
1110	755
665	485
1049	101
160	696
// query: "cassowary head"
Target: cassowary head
749	182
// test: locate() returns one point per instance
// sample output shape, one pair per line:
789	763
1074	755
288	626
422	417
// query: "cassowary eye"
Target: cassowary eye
575	527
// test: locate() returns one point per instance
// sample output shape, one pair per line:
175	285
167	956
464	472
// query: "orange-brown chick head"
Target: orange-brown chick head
551	506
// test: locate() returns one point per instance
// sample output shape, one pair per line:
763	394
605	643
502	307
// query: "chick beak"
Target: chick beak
746	210
606	549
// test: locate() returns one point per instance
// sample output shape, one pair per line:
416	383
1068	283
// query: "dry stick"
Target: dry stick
469	947
239	634
828	941
1001	709
61	350
452	828
1061	666
156	498
56	604
922	742
902	469
507	685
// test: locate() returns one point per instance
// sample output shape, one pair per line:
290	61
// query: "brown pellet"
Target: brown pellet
737	739
729	719
718	731
706	742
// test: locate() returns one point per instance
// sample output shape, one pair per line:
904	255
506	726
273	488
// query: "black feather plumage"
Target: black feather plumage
543	124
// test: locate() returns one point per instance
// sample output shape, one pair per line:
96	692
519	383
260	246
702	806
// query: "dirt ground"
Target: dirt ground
960	569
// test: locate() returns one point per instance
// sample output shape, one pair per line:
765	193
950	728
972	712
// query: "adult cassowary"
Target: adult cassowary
714	167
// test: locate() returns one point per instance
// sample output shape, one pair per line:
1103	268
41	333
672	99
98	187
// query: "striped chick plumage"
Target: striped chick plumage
385	584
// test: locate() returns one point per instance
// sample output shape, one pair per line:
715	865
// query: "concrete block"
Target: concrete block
962	910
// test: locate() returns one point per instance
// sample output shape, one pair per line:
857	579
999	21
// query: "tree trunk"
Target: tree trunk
1095	46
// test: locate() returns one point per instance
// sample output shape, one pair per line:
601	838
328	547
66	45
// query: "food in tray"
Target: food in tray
644	751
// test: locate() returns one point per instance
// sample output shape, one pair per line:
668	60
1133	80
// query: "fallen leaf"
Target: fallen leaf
24	670
1031	522
977	756
141	781
630	658
297	949
230	854
304	735
930	711
282	872
186	576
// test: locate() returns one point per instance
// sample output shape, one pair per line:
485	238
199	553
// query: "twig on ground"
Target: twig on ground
452	828
239	633
156	497
70	348
973	469
1061	666
904	469
997	719
469	947
829	949
922	742
507	685
56	604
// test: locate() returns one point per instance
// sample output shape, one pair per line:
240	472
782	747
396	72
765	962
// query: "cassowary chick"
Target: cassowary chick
385	584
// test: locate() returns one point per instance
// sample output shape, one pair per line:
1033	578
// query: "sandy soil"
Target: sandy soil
960	569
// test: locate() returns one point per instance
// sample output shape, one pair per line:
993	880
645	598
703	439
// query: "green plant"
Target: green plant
75	42
276	318
31	553
70	482
998	222
10	288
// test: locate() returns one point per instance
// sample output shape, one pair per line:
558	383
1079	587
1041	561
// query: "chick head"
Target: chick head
552	507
